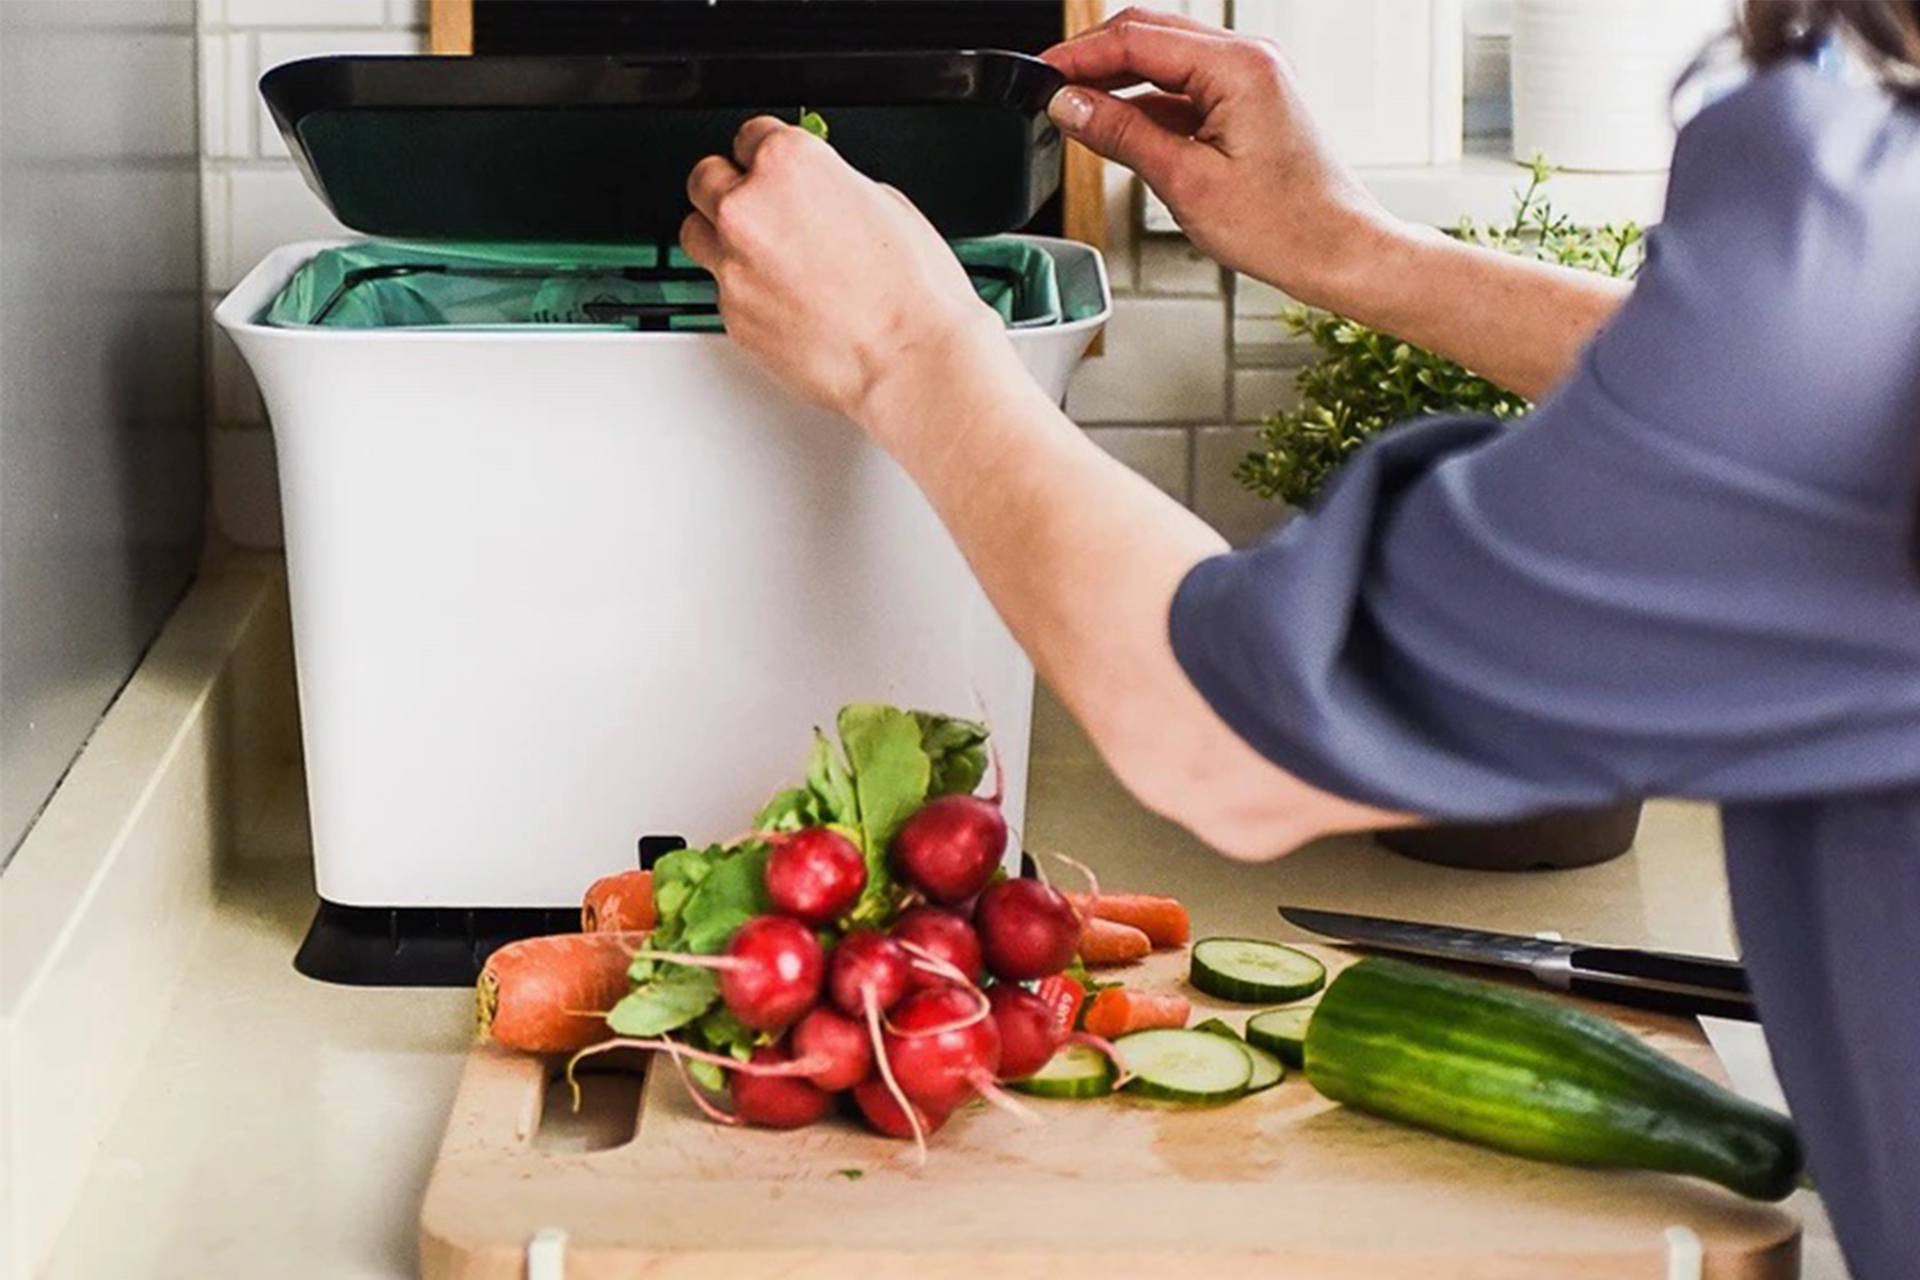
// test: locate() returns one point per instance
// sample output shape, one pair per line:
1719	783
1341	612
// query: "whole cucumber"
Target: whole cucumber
1526	1075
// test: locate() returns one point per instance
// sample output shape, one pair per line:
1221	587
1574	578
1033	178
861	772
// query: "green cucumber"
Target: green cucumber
1185	1066
1524	1074
1248	971
1268	1069
1075	1072
1282	1032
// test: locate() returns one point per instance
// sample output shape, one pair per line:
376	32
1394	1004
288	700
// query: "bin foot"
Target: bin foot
417	946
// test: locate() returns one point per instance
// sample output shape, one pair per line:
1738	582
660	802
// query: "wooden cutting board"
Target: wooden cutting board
1280	1185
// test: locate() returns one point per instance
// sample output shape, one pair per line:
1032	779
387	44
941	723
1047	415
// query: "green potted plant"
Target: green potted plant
1363	381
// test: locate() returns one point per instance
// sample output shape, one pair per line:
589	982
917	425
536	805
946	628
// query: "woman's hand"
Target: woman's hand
1225	140
834	282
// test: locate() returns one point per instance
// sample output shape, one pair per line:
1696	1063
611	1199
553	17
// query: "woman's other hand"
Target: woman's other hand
833	281
1222	137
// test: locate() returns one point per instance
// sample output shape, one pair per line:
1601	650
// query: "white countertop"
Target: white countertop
283	1128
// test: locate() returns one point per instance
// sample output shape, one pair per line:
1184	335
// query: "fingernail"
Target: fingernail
1071	109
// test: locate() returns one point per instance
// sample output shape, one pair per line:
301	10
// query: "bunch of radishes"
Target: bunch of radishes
895	1017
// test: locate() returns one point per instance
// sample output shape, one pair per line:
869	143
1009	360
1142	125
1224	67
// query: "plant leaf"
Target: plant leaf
675	996
733	893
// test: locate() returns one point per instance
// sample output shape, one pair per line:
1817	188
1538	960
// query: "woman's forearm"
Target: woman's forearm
1082	557
1513	321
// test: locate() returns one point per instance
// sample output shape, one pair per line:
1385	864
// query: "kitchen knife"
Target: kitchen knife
1690	986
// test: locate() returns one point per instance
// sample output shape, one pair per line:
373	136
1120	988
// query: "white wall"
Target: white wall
1188	366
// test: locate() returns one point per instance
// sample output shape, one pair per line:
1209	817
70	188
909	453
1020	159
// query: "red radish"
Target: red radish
1029	1033
942	1047
773	972
1027	930
945	935
836	1042
815	875
948	849
552	994
883	1112
867	959
777	1102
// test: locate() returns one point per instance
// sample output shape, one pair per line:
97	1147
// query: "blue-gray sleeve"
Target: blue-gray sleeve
1688	572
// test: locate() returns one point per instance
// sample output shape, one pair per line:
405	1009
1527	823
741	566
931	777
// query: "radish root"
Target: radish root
925	959
721	963
1106	1050
700	1099
872	1008
1093	885
989	1089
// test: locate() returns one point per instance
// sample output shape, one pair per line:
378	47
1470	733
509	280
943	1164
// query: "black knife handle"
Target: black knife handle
1712	988
1681	1003
1658	966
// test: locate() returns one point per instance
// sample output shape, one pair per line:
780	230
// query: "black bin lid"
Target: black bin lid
597	149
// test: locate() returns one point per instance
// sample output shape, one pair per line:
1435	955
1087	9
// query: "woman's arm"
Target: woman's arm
1082	558
847	295
1222	137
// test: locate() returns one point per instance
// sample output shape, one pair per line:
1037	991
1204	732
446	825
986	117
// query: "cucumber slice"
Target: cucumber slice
1075	1072
1185	1066
1268	1070
1218	1027
1282	1032
1248	971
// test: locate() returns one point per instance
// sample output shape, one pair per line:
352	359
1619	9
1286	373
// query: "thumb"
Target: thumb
1117	130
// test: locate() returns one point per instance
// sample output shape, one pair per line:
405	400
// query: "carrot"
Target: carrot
551	994
1102	942
1162	919
618	903
1118	1011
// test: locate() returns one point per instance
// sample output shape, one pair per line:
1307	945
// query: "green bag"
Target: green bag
385	284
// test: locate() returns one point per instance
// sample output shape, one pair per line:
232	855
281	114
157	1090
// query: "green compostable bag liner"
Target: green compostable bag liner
384	284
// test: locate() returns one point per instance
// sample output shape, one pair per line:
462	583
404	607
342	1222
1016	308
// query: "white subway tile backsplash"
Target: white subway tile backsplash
1255	336
269	208
1258	392
291	46
236	400
1253	297
1119	190
216	222
226	96
246	486
1165	362
1241	516
1163	455
1172	265
306	13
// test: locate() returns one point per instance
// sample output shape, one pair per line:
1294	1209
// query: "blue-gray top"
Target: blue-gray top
1690	572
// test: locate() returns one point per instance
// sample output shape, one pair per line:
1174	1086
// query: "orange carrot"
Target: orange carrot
1162	919
1118	1011
550	994
1102	942
618	903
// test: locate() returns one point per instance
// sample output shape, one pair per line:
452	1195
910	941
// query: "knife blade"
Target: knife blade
1690	986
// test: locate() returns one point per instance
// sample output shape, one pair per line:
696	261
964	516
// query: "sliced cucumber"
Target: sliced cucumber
1282	1032
1075	1072
1268	1070
1248	971
1185	1066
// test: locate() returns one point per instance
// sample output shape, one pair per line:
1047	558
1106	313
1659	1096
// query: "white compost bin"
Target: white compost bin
573	579
555	591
